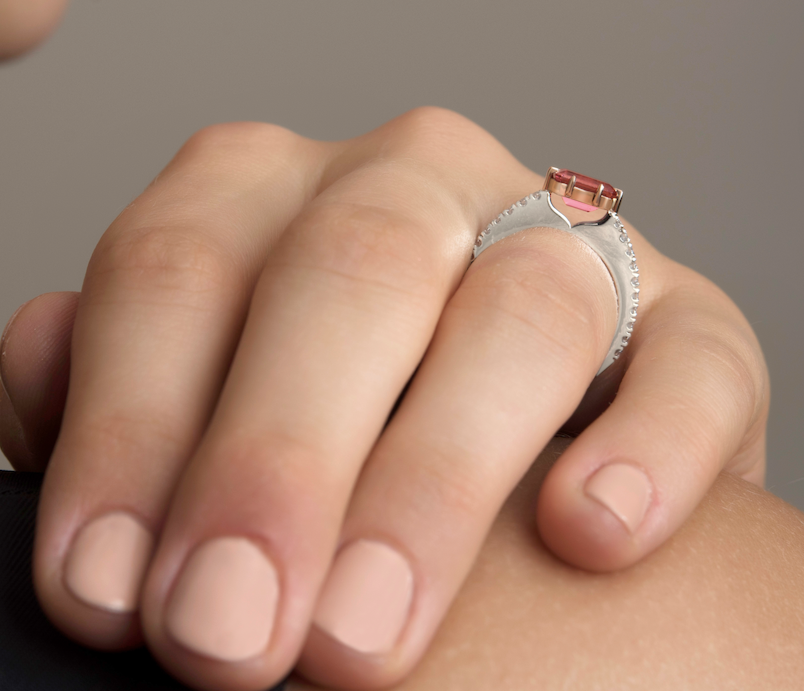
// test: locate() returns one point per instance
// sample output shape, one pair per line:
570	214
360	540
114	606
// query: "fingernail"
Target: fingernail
624	490
225	601
108	560
367	596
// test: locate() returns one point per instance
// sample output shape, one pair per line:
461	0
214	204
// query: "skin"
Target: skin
24	24
247	325
718	606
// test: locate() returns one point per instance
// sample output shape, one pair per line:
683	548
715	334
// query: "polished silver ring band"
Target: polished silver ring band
606	237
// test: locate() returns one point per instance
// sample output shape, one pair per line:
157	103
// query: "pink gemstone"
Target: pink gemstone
582	182
579	205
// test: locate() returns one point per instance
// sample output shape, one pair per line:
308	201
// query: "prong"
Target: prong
616	206
598	194
550	173
570	187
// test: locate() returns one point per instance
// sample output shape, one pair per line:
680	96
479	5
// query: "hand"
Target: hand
244	331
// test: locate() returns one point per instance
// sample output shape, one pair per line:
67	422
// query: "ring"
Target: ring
606	237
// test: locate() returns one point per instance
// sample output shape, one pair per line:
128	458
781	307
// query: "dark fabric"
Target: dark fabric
34	656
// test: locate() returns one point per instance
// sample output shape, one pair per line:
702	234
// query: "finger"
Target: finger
693	401
159	316
340	318
25	23
34	373
514	352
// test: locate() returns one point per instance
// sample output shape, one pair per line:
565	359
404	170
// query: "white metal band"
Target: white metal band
606	237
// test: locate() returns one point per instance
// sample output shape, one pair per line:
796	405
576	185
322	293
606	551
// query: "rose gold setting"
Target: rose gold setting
572	191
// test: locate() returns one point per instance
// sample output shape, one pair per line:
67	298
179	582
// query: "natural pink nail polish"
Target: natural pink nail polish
224	603
107	562
624	490
366	598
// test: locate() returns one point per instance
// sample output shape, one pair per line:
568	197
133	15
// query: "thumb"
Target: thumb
34	372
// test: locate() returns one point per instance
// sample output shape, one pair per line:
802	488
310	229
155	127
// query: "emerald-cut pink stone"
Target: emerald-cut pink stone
583	182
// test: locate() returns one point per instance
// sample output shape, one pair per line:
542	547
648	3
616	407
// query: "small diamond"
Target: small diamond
623	238
523	202
629	326
630	253
633	266
635	297
633	312
635	281
617	353
625	338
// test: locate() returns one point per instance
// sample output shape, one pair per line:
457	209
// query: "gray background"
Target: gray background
693	100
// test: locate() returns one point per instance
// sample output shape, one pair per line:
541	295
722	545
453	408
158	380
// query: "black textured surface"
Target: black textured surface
34	656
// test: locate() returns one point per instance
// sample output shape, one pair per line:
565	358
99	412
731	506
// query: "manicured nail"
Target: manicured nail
624	490
367	596
108	560
225	601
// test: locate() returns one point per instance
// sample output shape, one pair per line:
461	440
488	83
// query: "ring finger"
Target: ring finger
515	350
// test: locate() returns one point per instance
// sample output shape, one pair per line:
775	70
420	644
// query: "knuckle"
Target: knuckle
699	318
677	425
439	483
709	393
174	259
730	361
723	360
290	465
372	245
423	120
428	128
122	434
240	139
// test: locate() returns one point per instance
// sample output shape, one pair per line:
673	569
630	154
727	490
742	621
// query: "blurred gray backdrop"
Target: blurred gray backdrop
693	107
